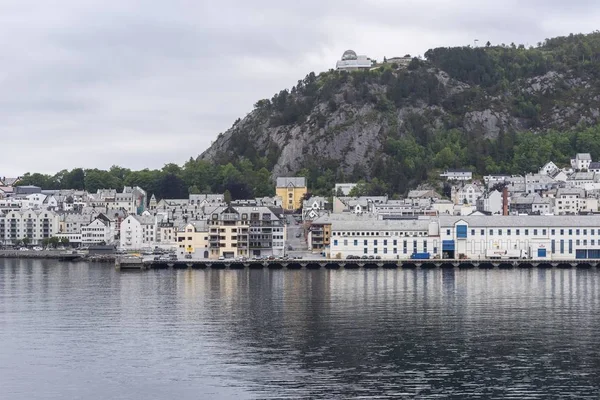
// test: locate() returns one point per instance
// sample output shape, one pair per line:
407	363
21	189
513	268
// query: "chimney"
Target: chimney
505	201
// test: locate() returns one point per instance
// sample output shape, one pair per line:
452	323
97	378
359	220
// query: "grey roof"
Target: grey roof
594	165
514	221
583	156
570	191
293	181
581	176
458	170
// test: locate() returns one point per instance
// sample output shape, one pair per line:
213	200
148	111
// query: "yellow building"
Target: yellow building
192	240
292	191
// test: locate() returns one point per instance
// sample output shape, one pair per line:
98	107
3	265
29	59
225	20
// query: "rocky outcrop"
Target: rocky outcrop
348	124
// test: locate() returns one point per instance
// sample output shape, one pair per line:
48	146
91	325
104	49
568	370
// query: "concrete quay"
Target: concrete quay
354	264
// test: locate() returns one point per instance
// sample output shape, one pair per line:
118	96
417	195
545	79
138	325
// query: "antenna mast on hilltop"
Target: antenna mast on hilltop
475	42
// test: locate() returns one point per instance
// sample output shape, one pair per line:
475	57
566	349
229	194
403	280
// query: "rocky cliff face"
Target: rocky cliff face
345	120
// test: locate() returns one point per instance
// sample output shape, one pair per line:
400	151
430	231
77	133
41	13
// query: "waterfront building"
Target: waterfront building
538	237
474	237
100	230
35	225
138	232
192	240
390	239
292	191
245	232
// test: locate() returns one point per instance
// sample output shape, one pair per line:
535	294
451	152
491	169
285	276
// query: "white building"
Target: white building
467	194
36	225
98	231
343	189
581	161
581	179
571	201
313	208
490	203
594	167
457	175
548	168
137	232
351	61
545	237
475	237
395	239
132	200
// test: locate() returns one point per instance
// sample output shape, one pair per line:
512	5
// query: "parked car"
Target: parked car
188	256
23	249
365	257
298	234
221	258
38	248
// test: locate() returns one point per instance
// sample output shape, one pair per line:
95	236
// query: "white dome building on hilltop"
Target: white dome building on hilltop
350	61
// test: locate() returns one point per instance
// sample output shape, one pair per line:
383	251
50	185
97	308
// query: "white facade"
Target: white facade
35	225
548	168
574	201
351	61
344	188
471	237
581	161
98	231
386	239
490	203
468	194
137	232
457	175
547	237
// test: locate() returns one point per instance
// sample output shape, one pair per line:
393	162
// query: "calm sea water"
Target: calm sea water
70	331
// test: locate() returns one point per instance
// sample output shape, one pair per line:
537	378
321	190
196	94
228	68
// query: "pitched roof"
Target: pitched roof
293	181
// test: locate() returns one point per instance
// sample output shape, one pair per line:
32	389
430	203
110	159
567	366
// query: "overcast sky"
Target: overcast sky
139	83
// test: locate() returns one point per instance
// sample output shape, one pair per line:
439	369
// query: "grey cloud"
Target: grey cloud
142	83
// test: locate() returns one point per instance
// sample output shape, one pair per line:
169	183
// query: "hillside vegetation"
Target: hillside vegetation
496	108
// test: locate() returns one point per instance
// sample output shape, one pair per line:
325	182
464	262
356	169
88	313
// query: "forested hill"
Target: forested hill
495	108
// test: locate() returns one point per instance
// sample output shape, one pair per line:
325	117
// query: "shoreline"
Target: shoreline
55	255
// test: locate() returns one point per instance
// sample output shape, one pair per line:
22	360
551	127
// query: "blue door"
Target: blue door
541	253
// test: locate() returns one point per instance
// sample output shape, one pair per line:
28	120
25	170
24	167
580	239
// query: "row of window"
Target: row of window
526	232
397	233
385	242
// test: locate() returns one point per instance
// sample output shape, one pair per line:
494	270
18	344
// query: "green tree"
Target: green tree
53	241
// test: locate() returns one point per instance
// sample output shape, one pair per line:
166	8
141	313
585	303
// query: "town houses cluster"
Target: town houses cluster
549	214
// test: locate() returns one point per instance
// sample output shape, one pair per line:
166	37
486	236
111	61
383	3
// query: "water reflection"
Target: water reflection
84	330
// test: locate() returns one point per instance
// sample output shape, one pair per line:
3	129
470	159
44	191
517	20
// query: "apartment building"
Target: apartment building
245	232
36	225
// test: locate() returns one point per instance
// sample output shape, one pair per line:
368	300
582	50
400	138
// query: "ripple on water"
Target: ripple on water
77	330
